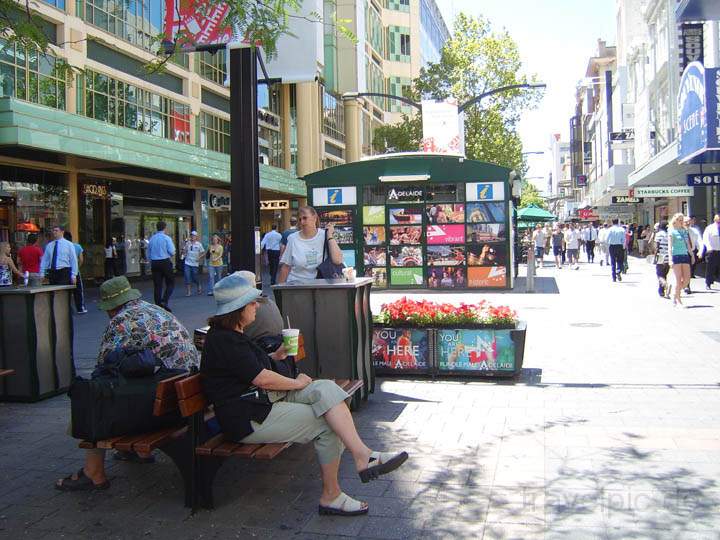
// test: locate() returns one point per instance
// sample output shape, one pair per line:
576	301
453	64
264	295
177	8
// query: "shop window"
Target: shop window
28	75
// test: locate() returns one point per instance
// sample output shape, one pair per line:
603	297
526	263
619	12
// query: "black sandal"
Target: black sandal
132	457
81	483
387	462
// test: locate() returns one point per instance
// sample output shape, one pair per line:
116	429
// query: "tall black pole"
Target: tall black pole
244	167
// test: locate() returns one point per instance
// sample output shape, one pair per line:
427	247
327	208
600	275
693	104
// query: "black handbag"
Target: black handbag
106	406
327	269
127	362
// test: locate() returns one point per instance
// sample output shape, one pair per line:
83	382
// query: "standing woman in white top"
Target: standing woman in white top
304	249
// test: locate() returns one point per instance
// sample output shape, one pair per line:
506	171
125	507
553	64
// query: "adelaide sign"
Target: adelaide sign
698	116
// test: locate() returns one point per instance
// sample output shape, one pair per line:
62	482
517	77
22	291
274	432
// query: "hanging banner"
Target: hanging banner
697	106
193	22
442	128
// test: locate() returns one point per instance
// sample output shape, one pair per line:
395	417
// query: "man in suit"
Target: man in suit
59	260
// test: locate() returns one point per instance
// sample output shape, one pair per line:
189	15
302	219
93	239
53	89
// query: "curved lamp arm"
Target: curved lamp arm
474	100
408	101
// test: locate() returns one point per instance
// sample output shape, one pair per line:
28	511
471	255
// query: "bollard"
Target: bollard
530	281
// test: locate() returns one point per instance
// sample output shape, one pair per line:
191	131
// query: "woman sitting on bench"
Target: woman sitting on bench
254	404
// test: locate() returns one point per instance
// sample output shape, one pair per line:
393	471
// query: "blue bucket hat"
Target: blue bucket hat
234	292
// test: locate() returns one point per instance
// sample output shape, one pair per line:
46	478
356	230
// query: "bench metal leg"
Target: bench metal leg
207	468
179	452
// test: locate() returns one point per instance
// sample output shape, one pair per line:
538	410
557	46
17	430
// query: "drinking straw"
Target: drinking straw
288	321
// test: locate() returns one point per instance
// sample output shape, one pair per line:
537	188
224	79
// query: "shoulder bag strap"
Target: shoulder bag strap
325	246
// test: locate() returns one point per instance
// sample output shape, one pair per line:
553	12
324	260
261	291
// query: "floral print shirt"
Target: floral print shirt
141	325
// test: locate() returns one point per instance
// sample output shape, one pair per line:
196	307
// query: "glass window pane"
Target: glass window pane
7	80
7	52
33	88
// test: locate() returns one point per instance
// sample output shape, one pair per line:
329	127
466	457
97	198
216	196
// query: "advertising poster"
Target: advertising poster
487	276
445	213
374	235
494	254
338	217
373	215
405	235
445	255
406	276
485	212
405	216
344	234
374	256
348	257
379	276
475	350
400	349
446	277
486	232
406	256
445	234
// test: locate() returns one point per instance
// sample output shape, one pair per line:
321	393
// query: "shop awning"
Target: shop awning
534	213
697	10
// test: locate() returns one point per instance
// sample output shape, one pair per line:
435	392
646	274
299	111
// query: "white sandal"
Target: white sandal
343	505
385	462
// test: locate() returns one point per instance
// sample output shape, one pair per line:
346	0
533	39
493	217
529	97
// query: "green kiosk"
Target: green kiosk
417	221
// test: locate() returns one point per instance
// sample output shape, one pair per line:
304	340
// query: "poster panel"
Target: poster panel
475	350
405	235
406	276
492	212
344	234
373	215
445	234
491	254
374	256
445	213
442	127
405	216
348	257
335	196
406	256
487	276
445	255
378	275
400	349
338	217
374	235
446	277
486	232
485	191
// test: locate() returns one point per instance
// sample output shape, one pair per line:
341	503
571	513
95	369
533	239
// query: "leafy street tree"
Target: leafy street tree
531	195
473	61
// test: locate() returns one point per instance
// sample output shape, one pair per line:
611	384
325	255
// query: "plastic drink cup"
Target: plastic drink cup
290	340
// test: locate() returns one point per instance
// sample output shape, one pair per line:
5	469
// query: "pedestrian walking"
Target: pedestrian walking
558	241
572	243
616	248
680	255
603	244
192	254
539	244
111	255
160	252
287	232
711	250
79	292
30	254
695	243
662	263
590	237
7	266
59	260
215	263
271	244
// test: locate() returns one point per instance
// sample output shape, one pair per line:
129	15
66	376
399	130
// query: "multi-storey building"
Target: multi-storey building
561	184
109	149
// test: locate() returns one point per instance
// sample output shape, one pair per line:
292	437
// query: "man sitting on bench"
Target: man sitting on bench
134	324
254	404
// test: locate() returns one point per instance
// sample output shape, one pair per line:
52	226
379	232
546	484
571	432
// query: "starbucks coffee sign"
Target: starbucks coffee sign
664	191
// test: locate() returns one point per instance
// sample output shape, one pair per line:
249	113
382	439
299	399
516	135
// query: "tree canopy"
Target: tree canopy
473	61
531	196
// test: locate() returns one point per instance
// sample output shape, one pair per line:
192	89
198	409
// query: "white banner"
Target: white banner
335	196
442	127
485	191
664	191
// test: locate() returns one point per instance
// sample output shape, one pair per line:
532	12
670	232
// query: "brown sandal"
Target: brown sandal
81	483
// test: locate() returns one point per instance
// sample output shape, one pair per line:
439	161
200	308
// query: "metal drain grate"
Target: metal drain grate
586	325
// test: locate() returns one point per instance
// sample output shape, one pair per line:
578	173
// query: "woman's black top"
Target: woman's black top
230	362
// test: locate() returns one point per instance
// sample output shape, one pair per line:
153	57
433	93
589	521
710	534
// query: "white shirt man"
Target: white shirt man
711	244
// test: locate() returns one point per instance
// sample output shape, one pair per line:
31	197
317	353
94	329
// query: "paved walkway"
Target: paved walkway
612	431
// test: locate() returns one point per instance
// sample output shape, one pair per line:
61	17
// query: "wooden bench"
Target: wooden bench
6	372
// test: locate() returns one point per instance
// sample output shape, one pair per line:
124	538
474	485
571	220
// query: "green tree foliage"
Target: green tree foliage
531	196
473	61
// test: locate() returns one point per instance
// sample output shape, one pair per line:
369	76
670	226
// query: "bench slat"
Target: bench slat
206	449
126	443
87	445
109	443
269	451
189	387
227	448
353	386
162	407
192	405
5	372
155	440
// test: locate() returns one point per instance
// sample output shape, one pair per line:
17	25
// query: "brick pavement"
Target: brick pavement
612	431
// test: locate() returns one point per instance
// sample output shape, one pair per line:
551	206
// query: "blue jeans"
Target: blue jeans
214	274
191	274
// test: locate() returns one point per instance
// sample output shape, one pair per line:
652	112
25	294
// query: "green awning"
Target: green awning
534	213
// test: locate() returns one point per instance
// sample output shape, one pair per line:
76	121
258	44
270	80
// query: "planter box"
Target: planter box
470	351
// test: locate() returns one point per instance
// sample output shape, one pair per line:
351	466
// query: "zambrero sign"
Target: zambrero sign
698	120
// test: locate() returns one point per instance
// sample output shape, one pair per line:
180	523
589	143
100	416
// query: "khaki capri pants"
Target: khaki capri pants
298	417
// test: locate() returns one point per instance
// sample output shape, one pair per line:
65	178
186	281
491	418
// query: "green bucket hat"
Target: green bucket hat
116	292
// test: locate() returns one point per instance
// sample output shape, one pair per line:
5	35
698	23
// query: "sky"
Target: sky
556	38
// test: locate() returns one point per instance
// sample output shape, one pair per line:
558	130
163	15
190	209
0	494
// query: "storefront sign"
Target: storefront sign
485	191
218	200
335	196
442	127
698	112
475	350
404	194
626	200
664	191
691	44
400	349
274	205
703	180
99	191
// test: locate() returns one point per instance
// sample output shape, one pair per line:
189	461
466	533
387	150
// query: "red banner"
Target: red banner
196	22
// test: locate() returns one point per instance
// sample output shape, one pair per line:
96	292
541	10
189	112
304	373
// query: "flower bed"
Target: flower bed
423	337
